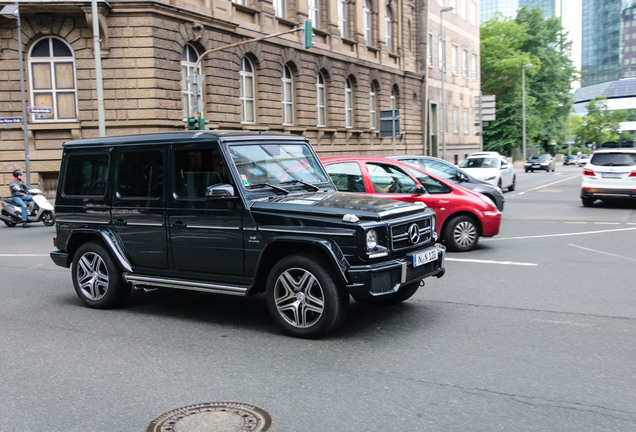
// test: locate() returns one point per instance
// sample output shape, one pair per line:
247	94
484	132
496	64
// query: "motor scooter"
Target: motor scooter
38	209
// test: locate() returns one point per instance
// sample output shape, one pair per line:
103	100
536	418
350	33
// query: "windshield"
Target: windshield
480	162
543	156
259	165
614	159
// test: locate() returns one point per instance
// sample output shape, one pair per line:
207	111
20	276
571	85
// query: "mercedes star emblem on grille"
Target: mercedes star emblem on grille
414	234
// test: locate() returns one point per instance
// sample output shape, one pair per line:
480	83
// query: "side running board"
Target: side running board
141	281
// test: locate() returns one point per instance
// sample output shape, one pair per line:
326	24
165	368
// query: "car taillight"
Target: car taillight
633	174
54	241
588	172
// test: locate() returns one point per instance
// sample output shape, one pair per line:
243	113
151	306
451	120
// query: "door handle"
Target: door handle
120	221
179	225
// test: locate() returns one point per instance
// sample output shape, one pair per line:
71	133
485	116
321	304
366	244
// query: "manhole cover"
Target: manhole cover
212	417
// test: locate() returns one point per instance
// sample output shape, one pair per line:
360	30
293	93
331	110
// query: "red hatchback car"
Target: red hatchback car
462	215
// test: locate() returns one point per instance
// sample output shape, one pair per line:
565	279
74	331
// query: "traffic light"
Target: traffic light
192	123
308	34
202	123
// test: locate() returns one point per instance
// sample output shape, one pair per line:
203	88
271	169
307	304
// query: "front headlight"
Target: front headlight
372	239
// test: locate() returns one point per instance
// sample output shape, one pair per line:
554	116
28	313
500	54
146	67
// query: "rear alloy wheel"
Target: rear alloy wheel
97	277
303	297
461	234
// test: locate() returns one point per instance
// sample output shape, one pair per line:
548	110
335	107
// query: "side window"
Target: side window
441	170
346	176
140	174
431	185
86	175
388	179
196	170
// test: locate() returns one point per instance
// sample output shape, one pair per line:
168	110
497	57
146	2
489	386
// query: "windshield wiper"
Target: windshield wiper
304	183
278	188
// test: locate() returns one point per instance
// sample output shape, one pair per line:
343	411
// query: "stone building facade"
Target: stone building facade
368	56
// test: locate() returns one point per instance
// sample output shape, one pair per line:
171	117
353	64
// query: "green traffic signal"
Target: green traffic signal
308	34
202	123
192	123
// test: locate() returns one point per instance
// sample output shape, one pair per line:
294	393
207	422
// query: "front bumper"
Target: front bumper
373	281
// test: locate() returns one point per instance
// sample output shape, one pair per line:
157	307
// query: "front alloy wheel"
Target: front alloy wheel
461	234
303	297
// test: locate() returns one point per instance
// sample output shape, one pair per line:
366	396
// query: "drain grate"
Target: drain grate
213	417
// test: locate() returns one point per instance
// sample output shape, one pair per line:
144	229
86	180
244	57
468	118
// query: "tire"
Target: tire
587	202
461	234
513	185
405	293
303	297
48	218
97	277
9	224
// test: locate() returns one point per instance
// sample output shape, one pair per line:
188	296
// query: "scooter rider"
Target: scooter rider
19	193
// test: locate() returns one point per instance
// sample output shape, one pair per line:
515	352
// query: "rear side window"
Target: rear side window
346	176
86	175
614	159
140	174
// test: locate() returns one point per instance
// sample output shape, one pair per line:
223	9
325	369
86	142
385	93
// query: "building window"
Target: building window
442	55
280	7
454	60
473	14
348	103
388	30
373	107
475	65
429	50
466	121
321	100
239	2
465	62
288	97
366	21
248	108
52	79
188	60
342	18
313	13
455	120
395	101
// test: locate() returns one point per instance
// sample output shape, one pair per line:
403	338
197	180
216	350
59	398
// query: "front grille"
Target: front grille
401	238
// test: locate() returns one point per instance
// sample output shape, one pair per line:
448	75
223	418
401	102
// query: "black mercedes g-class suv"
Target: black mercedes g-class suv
234	213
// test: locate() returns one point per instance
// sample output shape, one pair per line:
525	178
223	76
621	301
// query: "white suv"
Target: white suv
610	174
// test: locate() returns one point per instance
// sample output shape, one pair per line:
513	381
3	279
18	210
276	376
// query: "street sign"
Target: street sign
11	120
40	110
485	107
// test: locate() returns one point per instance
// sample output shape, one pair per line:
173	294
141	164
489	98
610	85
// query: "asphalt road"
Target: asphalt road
533	331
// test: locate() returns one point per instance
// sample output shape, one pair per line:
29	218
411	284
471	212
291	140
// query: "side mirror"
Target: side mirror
419	190
222	190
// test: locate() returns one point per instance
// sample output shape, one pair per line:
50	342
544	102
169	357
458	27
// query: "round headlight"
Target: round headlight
372	239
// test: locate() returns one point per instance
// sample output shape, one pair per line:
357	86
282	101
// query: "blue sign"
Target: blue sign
10	120
39	110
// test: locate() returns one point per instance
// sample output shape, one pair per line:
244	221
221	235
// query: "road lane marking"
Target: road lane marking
24	255
601	252
491	262
490	239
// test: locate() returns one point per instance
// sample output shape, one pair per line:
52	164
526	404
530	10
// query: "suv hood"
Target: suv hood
337	204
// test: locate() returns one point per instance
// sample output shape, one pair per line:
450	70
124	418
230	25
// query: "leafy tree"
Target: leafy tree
508	45
600	125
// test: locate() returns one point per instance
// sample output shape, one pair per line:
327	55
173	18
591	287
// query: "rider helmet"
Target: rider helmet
17	173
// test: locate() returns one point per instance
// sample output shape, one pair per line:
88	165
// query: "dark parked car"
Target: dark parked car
540	161
447	171
239	214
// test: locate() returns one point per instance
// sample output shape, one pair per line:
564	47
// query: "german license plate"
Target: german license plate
424	257
612	175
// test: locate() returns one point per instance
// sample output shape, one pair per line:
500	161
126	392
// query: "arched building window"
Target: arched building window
321	100
288	97
348	103
248	103
52	78
373	108
188	60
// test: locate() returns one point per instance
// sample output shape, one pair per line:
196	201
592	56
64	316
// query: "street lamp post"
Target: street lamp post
443	57
12	11
523	104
